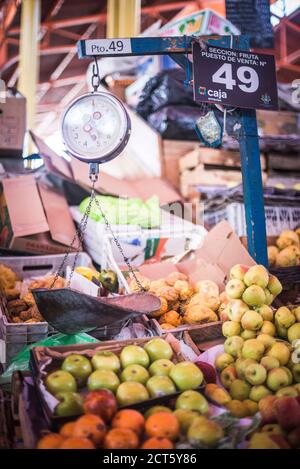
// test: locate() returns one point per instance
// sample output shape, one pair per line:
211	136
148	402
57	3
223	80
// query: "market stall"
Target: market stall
128	321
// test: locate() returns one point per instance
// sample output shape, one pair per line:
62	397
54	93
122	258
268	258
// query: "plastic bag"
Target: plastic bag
21	361
165	89
125	211
176	122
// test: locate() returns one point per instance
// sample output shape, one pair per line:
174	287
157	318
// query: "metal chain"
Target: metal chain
117	243
96	79
79	233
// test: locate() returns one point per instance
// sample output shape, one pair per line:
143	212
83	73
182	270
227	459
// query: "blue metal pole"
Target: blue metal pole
253	188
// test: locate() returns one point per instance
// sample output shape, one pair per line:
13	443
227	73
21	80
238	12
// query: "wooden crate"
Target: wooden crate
46	359
206	329
213	157
277	122
203	337
171	153
284	162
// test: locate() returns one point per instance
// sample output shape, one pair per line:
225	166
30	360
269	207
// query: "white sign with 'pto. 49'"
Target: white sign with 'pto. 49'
234	77
107	46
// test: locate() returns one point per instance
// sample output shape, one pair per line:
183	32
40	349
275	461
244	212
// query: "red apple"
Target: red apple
287	411
209	372
102	403
266	408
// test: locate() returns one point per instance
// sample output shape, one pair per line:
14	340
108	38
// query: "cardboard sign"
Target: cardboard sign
252	17
234	77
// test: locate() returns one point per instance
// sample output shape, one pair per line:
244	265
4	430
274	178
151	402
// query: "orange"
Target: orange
67	429
121	438
50	441
77	443
131	419
157	443
162	425
90	426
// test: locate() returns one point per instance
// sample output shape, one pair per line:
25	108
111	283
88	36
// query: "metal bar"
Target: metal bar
102	17
283	64
253	188
29	58
148	45
112	29
129	18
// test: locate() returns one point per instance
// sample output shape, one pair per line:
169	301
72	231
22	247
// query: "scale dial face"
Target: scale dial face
95	127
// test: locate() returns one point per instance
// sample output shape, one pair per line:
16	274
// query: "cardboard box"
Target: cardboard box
78	172
220	250
34	218
12	126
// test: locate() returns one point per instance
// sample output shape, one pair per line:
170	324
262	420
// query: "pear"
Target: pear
253	348
274	286
266	339
235	288
217	394
257	275
272	254
205	432
293	332
252	321
239	389
266	312
285	317
231	328
237	408
241	365
254	296
258	392
269	363
223	360
280	351
287	391
246	334
268	328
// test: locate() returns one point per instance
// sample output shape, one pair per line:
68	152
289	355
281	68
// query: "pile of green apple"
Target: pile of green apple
254	368
250	292
135	375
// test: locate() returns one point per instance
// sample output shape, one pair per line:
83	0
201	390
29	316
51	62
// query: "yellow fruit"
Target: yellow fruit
287	257
207	287
217	394
183	288
287	238
171	317
199	314
174	276
251	407
165	326
163	309
86	272
237	408
272	254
